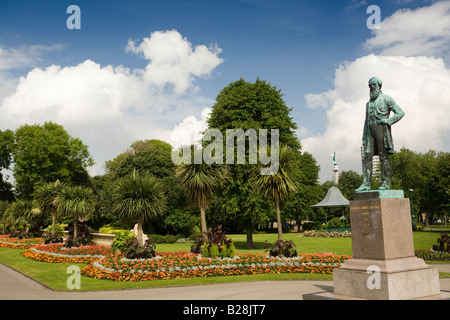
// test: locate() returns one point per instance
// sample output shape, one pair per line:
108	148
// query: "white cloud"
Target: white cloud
173	60
111	107
423	31
419	85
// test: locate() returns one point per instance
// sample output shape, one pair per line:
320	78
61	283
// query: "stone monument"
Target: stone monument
383	264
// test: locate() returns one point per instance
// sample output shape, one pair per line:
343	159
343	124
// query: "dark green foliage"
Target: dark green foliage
216	244
83	236
135	251
429	255
56	237
281	249
120	241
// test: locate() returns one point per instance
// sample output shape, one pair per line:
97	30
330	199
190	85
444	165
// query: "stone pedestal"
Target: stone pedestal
383	264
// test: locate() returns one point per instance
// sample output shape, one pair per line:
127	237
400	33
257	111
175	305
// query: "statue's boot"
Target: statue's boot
367	177
364	187
386	178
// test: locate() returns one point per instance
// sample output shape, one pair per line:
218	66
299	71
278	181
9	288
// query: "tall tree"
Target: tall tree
46	197
199	182
76	202
6	147
46	153
245	105
279	185
139	197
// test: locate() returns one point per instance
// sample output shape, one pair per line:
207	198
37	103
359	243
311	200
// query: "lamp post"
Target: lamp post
413	217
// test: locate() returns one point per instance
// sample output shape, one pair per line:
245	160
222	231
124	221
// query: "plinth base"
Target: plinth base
394	279
327	295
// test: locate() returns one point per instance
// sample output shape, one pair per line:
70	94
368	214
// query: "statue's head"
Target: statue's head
375	85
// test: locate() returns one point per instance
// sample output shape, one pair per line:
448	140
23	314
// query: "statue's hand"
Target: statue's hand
383	121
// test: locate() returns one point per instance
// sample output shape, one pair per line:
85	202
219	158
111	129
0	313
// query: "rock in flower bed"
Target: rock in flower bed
15	243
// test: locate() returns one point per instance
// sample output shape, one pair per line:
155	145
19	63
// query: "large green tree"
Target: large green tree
246	105
424	174
6	147
46	153
152	157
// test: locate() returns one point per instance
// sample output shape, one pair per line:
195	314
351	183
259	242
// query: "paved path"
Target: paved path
16	286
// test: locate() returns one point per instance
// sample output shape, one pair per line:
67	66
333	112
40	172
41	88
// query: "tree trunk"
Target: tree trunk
279	226
75	230
203	221
250	236
53	223
140	232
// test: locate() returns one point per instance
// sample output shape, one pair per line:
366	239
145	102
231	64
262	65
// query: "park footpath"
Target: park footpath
17	286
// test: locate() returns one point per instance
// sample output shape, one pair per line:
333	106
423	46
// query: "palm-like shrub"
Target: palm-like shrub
46	198
20	214
199	182
279	185
139	197
76	202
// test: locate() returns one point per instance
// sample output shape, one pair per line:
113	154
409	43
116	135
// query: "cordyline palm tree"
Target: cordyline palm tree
199	182
76	202
22	212
278	185
139	197
46	198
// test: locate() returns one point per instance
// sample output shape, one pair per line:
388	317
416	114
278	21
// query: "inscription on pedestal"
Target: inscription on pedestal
381	228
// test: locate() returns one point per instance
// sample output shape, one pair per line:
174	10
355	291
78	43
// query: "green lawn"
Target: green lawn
55	276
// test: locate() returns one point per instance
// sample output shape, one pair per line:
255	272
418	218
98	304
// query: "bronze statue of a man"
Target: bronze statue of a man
377	136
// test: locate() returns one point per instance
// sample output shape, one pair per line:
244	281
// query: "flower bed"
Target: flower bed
56	253
175	265
104	264
15	243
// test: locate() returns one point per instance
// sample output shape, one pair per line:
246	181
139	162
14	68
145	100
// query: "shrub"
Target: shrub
429	255
56	237
216	245
83	236
120	241
334	223
281	249
135	251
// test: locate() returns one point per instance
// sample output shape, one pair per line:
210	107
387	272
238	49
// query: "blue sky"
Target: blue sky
295	45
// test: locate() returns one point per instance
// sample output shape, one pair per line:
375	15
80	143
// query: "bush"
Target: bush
216	245
109	230
281	249
430	255
327	234
334	223
83	236
120	241
135	251
56	237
